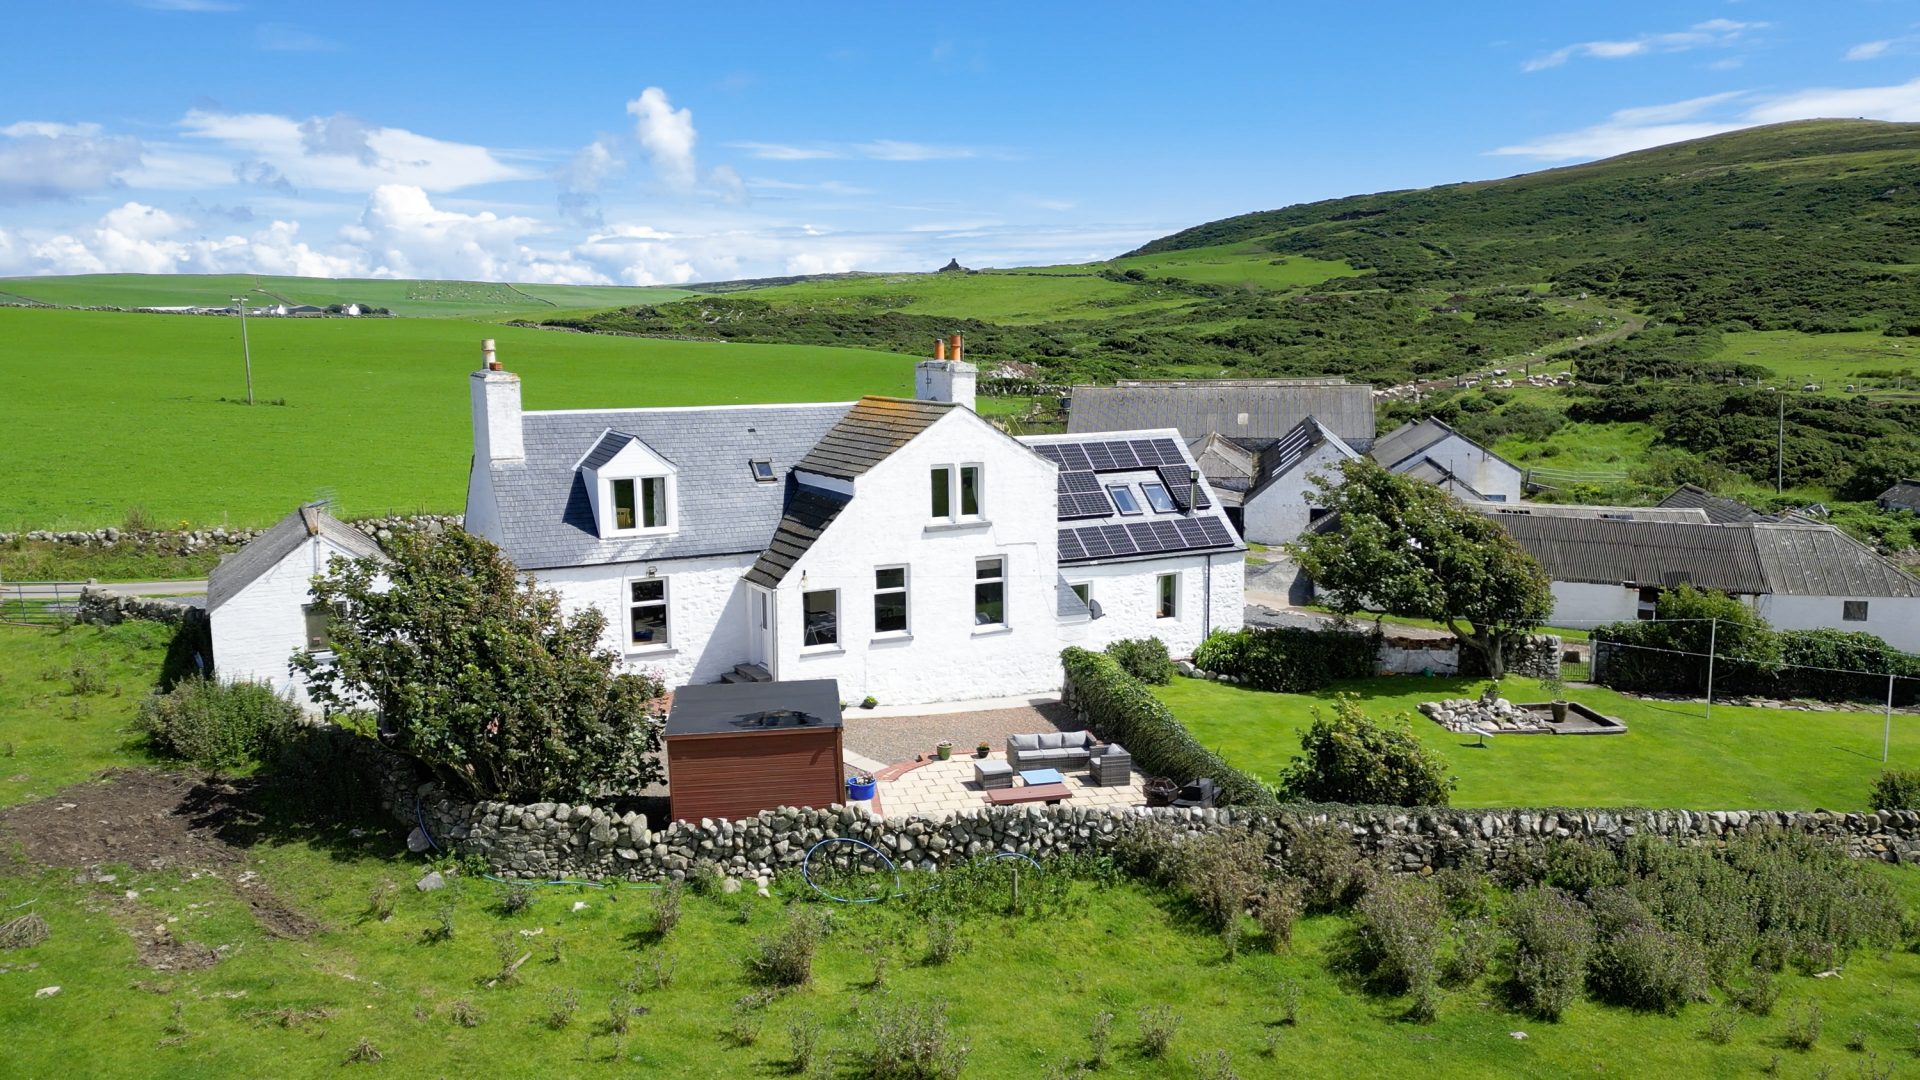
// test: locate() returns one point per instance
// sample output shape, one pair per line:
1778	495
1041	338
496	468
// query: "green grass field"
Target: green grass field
465	299
1242	265
106	411
1670	756
1012	297
1830	360
295	995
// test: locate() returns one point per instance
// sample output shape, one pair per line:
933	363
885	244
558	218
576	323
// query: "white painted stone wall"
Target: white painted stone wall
707	605
943	656
259	629
1278	512
1895	618
1582	604
1126	593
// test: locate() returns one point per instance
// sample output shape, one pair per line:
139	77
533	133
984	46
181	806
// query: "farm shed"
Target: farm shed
735	749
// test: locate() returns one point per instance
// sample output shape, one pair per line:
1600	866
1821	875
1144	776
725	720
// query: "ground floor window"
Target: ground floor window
820	613
890	600
1166	596
1853	610
647	612
990	592
319	637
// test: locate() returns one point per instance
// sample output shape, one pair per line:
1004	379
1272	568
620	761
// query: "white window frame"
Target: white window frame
757	465
667	495
1116	491
1167	607
955	488
1148	487
839	624
998	578
905	592
629	605
307	612
943	484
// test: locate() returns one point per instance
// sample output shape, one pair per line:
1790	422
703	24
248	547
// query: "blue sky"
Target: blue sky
647	144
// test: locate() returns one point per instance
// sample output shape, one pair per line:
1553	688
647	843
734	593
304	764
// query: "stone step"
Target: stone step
747	673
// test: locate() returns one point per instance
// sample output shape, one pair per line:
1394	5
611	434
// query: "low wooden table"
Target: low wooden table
1046	793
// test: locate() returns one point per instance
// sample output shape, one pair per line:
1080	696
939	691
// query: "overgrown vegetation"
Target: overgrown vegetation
1349	758
216	724
1288	659
1145	659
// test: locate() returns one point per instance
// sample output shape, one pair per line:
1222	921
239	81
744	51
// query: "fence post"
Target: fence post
1886	735
1713	639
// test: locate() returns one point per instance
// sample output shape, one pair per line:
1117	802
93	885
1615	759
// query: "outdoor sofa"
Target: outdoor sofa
1050	750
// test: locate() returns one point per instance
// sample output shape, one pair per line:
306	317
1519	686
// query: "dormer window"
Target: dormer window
631	487
762	470
649	512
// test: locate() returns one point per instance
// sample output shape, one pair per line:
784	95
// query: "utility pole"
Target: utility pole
1886	736
246	350
1713	640
1780	446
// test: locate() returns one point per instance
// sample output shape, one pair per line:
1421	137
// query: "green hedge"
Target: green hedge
1121	709
1790	671
1289	659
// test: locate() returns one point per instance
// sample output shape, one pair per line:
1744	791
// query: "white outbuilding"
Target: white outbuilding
260	599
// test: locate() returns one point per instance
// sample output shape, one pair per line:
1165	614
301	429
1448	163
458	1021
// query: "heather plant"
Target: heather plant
785	958
1552	937
1638	964
1280	904
914	1042
1158	1026
1399	929
1328	865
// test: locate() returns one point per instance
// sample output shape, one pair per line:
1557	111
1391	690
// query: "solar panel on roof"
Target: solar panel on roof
1093	543
1175	477
1070	546
1144	450
1169	452
1168	535
1191	533
1048	451
1074	457
1085	505
1118	539
1144	538
1080	483
1216	532
1099	456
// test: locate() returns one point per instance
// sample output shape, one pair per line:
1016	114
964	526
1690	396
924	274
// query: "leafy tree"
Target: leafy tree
476	672
1407	548
1881	466
1348	758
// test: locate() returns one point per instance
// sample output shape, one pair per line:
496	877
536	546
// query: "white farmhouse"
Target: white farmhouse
904	547
1432	451
1282	505
1797	576
260	600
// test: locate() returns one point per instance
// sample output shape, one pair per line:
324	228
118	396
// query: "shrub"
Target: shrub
1803	1030
1099	1039
1120	708
1662	654
1401	923
803	1042
215	724
1145	659
913	1042
1280	904
1896	789
1158	1026
1473	945
1288	659
945	942
1640	965
1348	758
1328	864
666	911
785	958
1552	936
517	898
1221	872
562	1004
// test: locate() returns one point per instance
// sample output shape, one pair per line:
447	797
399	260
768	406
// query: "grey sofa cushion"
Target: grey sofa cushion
1052	740
1023	743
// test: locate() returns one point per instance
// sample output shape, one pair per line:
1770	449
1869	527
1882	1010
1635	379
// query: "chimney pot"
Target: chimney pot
487	354
939	348
956	346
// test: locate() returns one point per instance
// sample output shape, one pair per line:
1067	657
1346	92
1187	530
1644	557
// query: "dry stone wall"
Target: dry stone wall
190	540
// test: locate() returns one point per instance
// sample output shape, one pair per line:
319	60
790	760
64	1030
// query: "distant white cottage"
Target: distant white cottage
905	547
260	599
1430	450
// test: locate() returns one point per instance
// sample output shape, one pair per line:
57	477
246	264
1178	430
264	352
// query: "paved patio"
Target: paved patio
941	789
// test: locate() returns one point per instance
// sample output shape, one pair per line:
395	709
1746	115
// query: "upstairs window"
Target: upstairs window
942	491
1158	498
1166	596
990	592
969	491
890	600
639	503
319	637
762	470
958	492
1123	499
647	613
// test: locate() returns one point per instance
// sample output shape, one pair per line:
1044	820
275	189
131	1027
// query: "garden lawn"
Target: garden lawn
1670	756
109	411
68	698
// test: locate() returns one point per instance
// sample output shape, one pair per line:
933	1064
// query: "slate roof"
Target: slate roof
546	520
1271	407
1146	534
287	536
1299	444
1750	558
809	512
872	429
1905	494
1575	510
1718	508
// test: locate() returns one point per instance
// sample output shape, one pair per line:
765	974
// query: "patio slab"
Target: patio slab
942	789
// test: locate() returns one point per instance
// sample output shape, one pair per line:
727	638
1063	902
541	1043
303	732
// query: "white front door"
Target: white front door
762	630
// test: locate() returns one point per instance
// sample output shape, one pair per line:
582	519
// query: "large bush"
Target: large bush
1896	789
477	673
215	724
1552	935
1121	709
1670	654
1348	758
1145	659
1288	659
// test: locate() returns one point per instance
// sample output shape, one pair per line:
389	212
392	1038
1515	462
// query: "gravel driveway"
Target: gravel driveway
898	738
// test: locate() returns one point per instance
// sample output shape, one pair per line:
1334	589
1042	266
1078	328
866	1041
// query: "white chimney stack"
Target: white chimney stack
495	392
941	379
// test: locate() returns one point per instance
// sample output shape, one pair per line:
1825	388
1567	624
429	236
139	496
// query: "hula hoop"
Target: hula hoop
807	873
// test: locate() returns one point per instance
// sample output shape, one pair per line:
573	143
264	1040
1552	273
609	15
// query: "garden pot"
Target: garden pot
982	750
1559	712
859	789
945	750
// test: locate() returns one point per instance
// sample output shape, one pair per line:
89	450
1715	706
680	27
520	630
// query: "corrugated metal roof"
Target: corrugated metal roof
547	521
287	536
1718	508
1692	514
874	428
1905	494
1236	410
1746	557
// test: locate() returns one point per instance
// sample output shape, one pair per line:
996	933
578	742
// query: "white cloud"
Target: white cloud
871	150
1712	34
310	154
1869	50
137	238
46	160
402	234
766	151
1637	128
580	180
667	135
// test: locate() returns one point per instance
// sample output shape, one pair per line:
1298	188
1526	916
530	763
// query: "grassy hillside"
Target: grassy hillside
445	298
105	410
